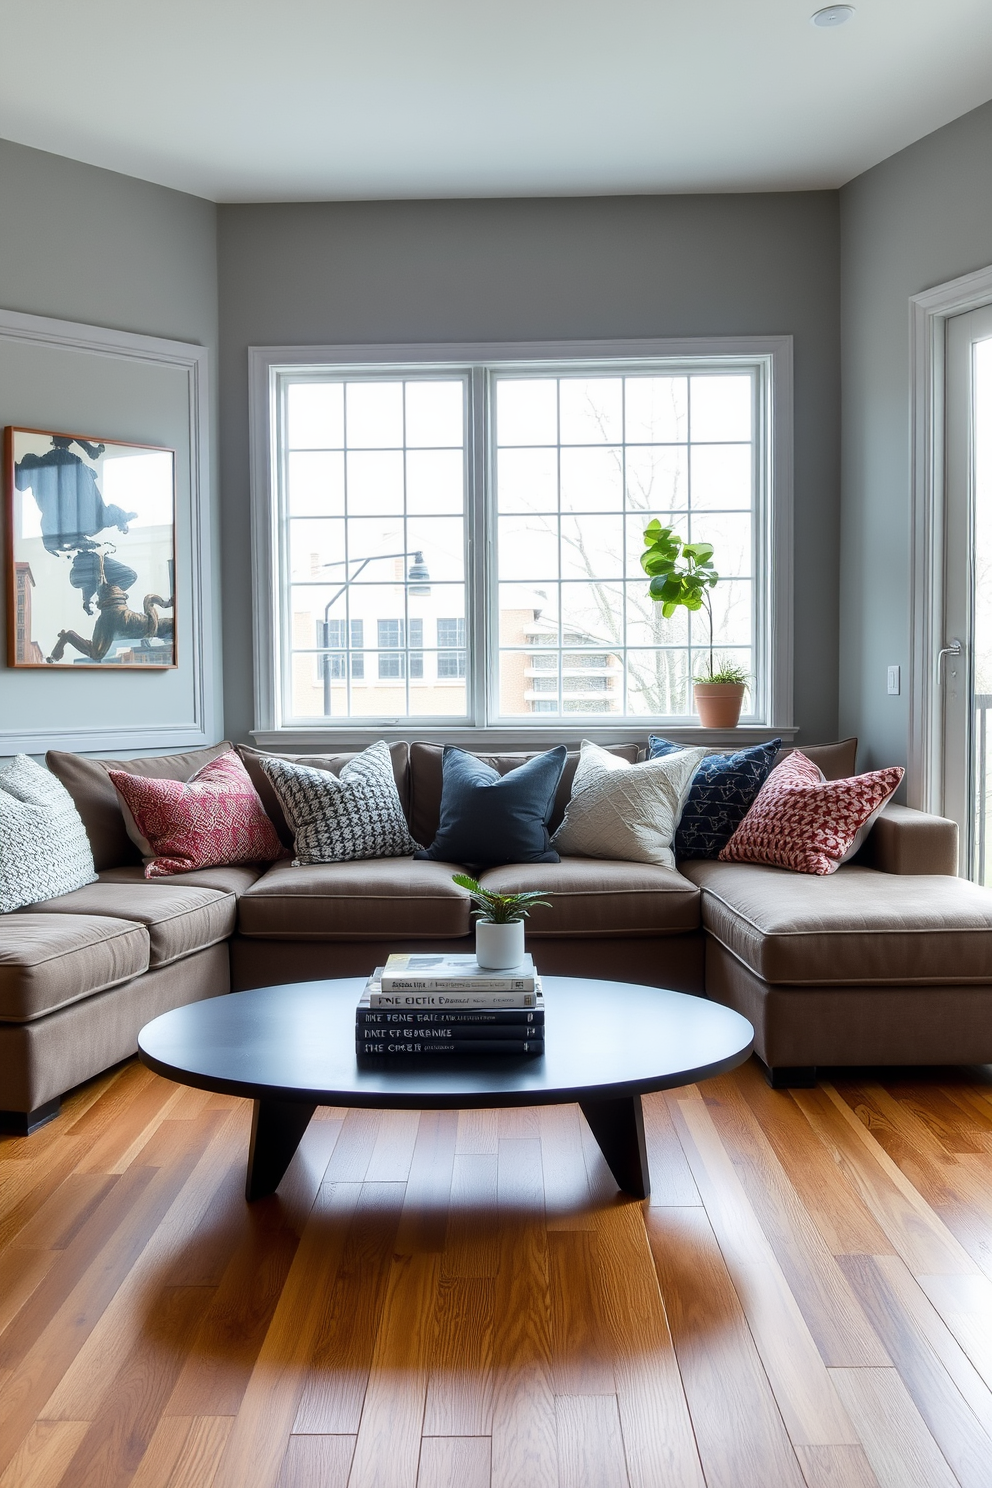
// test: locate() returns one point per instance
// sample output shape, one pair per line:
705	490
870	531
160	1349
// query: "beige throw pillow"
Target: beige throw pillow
623	811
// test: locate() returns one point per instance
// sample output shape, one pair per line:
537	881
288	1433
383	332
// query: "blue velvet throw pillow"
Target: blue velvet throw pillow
720	796
487	818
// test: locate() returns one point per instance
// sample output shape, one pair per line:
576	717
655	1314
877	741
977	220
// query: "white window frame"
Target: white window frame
773	640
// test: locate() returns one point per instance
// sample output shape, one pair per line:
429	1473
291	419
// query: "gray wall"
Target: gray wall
535	270
917	220
92	246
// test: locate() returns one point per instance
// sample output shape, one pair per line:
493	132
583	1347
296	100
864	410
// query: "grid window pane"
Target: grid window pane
571	520
564	472
374	545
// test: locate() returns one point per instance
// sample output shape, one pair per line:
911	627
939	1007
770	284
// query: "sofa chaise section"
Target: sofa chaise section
861	967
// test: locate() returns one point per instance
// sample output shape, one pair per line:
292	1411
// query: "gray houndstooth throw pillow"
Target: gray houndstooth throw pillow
338	818
44	849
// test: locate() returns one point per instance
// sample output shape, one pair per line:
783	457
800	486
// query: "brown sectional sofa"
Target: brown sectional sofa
888	961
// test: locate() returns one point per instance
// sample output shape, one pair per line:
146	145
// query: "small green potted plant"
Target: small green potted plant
499	925
682	574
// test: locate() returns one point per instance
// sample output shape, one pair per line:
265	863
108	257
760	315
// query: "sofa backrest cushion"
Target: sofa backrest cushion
426	776
399	753
837	761
90	786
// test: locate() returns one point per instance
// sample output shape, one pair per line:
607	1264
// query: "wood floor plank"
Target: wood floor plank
836	1467
524	1435
235	1316
740	1434
349	1162
581	1351
964	1305
162	1452
671	1180
22	1271
342	1351
567	1199
898	1445
84	1280
835	1206
833	1315
201	1452
392	1153
262	1428
109	1111
63	1214
424	1222
955	1187
957	1125
471	1247
590	1444
387	1449
478	1134
92	1374
455	1462
111	1451
950	1420
44	1454
460	1387
912	1228
30	1184
813	1415
317	1462
654	1418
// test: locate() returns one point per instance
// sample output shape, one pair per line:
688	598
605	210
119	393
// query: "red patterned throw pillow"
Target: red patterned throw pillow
801	821
214	818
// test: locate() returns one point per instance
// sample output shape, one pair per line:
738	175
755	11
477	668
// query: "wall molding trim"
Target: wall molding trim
203	724
929	313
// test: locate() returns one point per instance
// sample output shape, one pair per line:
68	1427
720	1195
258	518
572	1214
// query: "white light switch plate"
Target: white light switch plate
893	682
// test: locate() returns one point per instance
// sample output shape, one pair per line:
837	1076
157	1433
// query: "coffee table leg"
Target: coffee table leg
276	1129
618	1126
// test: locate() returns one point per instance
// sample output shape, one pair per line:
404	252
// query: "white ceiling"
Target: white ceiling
278	100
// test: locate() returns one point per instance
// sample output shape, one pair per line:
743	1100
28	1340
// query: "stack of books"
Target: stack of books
420	1005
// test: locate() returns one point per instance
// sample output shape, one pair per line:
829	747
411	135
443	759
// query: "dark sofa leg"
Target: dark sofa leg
790	1076
23	1123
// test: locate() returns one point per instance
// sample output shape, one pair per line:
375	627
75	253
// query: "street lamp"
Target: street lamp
416	581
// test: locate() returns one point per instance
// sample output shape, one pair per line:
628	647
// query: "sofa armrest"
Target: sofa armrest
911	842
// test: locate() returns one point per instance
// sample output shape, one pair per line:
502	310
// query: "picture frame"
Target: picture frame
91	552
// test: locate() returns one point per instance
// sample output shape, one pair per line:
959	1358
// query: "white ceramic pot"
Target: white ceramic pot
499	946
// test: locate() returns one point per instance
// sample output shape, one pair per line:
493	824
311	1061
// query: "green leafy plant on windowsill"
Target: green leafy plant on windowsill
500	909
682	575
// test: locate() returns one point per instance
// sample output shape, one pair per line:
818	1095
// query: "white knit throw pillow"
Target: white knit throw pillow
44	849
623	811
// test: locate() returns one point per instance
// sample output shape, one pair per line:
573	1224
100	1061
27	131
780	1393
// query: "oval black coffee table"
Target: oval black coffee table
291	1049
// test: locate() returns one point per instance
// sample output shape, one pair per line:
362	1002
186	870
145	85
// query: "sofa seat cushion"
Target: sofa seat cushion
378	898
233	878
599	896
855	927
50	960
179	920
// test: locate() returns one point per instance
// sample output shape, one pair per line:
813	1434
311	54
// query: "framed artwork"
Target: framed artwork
91	549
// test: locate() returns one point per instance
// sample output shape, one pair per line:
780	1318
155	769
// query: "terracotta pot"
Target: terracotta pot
719	703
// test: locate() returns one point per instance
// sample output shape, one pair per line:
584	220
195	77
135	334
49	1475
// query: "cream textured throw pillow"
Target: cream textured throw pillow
625	811
44	849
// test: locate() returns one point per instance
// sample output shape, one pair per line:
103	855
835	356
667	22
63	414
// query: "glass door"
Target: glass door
963	663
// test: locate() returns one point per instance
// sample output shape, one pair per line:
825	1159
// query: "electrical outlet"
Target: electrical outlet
892	687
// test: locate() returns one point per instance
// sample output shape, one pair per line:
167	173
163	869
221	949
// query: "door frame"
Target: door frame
929	314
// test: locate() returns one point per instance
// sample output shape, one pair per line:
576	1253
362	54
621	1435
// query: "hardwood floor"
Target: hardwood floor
457	1300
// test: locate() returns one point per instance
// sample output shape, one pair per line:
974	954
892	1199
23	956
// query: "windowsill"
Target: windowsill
528	736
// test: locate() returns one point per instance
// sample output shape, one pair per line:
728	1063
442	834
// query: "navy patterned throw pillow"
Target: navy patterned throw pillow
720	796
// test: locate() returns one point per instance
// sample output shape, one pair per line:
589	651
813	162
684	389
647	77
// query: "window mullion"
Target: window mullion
483	593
